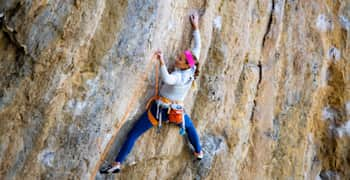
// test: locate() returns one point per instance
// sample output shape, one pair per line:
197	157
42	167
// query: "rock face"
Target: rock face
272	101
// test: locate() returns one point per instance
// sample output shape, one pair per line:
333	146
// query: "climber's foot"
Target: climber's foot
113	168
199	156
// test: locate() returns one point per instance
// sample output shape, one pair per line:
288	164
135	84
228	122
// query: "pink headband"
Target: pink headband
189	58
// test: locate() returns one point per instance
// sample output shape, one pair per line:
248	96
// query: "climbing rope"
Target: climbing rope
156	88
129	107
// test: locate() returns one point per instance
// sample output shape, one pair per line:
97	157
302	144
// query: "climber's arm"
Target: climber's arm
164	74
166	77
196	35
197	43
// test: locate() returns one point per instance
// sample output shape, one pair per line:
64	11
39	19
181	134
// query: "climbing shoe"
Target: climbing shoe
114	168
199	155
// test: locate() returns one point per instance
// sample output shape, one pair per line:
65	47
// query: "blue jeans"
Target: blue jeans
143	124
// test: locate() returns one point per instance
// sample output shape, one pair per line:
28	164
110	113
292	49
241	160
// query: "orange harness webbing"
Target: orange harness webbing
153	120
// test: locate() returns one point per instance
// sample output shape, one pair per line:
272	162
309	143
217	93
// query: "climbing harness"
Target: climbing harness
175	113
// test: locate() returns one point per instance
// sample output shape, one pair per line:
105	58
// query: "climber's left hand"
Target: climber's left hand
194	20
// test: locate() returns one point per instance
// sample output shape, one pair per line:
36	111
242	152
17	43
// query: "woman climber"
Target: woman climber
169	104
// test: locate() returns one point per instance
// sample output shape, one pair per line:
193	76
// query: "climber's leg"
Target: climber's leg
141	126
192	134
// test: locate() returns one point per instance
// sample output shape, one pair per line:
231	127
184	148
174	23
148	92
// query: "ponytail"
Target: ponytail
196	73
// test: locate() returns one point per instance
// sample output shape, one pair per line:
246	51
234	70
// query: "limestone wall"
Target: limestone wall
272	100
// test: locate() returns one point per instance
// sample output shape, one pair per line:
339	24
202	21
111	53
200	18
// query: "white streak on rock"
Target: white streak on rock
171	26
333	54
328	114
46	157
218	22
345	22
343	130
323	23
347	108
327	175
93	86
76	106
324	75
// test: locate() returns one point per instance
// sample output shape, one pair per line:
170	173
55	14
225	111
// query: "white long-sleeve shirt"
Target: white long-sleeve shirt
177	84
